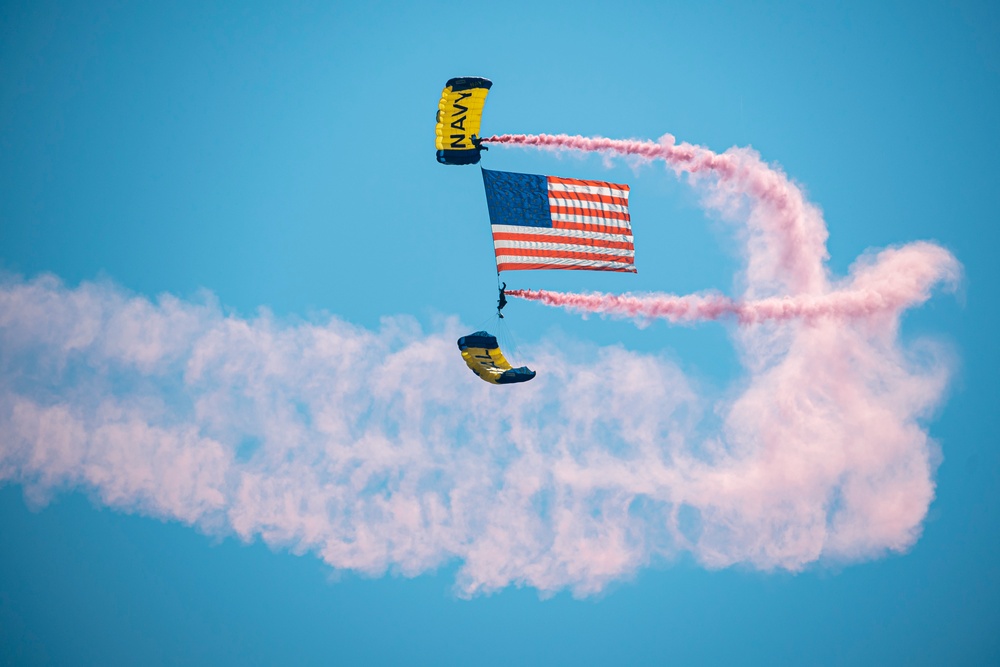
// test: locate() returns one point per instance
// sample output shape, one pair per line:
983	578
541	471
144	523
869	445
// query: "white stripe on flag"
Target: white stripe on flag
591	220
588	189
587	205
568	247
561	261
550	231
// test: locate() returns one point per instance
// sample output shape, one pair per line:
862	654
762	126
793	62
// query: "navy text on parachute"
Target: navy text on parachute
460	111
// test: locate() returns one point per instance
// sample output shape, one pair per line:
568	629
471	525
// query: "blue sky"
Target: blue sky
273	166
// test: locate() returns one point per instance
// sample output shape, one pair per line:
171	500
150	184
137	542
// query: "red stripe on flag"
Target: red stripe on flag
509	266
573	210
584	196
583	227
594	184
567	240
563	254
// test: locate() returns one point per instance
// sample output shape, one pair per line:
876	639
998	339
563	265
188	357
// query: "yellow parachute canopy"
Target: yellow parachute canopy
482	355
459	113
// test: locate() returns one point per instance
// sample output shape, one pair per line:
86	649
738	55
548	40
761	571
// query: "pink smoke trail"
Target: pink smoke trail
359	445
787	234
307	436
897	279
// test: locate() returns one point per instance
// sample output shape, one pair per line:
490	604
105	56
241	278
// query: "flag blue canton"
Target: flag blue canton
517	199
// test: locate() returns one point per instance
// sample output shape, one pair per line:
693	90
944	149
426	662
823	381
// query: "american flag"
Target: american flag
547	222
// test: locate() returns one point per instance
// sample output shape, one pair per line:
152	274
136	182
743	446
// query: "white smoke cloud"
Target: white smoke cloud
378	450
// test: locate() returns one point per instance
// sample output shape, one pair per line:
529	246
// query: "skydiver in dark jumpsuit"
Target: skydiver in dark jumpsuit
502	301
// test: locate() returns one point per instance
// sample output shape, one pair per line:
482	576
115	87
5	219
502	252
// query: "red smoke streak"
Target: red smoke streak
786	248
896	279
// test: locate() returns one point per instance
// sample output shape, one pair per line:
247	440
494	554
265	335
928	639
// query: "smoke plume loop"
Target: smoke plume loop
378	451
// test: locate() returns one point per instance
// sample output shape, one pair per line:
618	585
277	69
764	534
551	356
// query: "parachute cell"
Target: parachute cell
483	357
459	114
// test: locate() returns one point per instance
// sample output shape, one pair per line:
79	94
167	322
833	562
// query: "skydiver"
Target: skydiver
478	143
502	301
